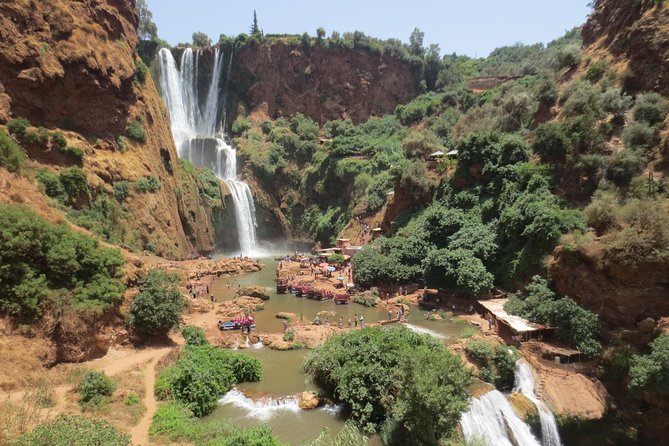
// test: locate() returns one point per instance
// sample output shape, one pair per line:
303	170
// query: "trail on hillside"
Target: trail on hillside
140	433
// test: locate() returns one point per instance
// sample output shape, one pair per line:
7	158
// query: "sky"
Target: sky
473	27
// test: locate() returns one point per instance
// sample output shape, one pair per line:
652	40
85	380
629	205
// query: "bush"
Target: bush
596	70
651	372
121	190
42	136
551	142
616	102
75	184
194	335
18	127
11	154
136	132
639	136
420	144
141	71
650	108
602	213
360	369
95	386
240	125
458	270
496	362
158	307
51	184
121	143
203	373
74	430
582	98
59	140
147	184
624	166
50	261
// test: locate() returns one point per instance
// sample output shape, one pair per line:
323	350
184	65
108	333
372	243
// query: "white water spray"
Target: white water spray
195	130
525	385
262	409
492	421
425	331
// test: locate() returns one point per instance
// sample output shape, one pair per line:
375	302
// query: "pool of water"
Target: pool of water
271	401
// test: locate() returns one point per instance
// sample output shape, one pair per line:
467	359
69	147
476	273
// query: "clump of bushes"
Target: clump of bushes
361	369
94	388
158	307
650	108
496	362
121	190
574	325
52	262
75	184
121	143
650	372
147	184
18	127
11	154
203	373
141	71
136	132
194	335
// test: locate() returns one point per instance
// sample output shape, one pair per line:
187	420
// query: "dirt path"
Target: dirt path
140	433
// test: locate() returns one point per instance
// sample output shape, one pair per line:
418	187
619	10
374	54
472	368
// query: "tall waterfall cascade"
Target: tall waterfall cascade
525	385
492	421
196	127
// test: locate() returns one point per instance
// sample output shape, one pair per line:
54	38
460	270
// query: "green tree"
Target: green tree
95	386
651	372
551	142
194	335
158	307
320	33
416	42
11	154
146	28
650	108
420	144
458	270
200	39
254	29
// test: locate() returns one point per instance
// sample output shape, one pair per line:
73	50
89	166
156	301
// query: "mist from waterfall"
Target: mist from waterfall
197	132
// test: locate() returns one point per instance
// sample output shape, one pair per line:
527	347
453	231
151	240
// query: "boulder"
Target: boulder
308	401
253	291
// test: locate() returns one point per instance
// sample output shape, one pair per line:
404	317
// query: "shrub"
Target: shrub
121	143
651	372
132	399
458	270
616	102
11	154
95	386
624	166
59	140
47	258
136	132
568	56
602	213
496	362
289	336
551	143
639	136
42	135
158	307
74	152
596	70
141	71
147	184
75	184
121	190
74	430
582	98
240	125
194	335
650	108
51	184
359	368
420	144
18	127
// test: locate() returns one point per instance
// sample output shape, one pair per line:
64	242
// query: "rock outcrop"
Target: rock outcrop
324	83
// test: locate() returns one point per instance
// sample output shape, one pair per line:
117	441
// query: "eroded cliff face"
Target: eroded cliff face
72	65
322	83
634	37
622	295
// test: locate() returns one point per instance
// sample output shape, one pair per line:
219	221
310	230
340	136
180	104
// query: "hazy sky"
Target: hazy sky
473	27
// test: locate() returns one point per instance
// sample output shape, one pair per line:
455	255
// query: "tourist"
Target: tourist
390	315
285	325
317	321
362	321
212	298
207	287
489	323
341	322
327	321
349	322
399	314
355	319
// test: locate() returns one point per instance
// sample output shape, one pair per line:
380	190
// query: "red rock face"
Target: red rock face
66	64
634	31
621	295
322	83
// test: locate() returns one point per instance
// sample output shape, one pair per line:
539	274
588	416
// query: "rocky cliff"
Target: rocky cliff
634	37
321	82
72	65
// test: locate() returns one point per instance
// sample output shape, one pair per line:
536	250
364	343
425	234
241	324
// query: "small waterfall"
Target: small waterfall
525	385
492	421
195	128
262	409
425	331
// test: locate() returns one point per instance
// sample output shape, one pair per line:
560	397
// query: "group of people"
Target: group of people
194	291
351	323
400	313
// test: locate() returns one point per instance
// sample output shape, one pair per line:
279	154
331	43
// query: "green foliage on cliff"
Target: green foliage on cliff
11	154
69	187
361	369
496	362
51	265
650	372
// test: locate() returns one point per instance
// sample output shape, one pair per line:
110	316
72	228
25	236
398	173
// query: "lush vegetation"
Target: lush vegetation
94	388
406	385
194	335
203	373
147	184
47	265
496	362
651	372
74	430
11	154
158	307
575	325
175	422
135	131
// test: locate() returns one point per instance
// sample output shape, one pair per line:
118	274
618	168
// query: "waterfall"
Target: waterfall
492	421
262	409
195	130
425	331
525	385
